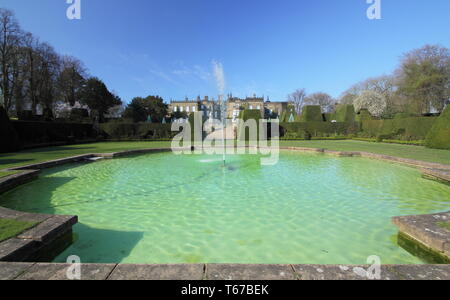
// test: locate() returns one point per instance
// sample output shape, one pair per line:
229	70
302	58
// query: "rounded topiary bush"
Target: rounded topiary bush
8	135
439	135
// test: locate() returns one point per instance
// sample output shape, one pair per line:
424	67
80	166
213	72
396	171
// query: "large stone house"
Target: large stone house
211	108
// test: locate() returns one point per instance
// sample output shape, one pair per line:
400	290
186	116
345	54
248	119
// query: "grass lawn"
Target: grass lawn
32	156
7	173
405	151
11	228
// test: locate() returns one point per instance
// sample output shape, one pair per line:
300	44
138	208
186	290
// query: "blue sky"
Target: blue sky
267	47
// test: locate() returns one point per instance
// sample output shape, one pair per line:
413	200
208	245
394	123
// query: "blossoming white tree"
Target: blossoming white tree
374	102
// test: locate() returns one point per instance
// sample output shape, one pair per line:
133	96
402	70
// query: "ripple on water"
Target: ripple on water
163	208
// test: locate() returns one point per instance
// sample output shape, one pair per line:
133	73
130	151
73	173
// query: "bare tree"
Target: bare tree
10	35
298	99
31	44
71	79
323	99
48	66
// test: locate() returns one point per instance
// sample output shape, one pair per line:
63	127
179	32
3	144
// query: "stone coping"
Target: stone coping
406	161
440	175
425	230
9	182
49	271
28	244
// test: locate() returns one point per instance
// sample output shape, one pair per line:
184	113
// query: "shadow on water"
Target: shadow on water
35	196
94	245
90	244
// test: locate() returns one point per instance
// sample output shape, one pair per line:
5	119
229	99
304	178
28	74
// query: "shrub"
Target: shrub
439	135
317	129
399	129
245	115
404	115
312	113
31	133
363	115
193	125
8	135
25	115
345	113
127	130
78	114
328	117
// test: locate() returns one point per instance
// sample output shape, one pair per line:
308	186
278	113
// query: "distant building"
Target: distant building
211	108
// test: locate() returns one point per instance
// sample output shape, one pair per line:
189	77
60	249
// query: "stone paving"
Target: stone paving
48	271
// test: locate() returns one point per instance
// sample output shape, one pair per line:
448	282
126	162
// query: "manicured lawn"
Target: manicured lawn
405	151
45	154
33	156
7	173
11	228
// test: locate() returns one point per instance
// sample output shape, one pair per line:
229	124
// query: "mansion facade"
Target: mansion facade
212	109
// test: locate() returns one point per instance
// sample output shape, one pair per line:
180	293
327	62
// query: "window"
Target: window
181	108
258	107
175	109
193	108
187	108
251	107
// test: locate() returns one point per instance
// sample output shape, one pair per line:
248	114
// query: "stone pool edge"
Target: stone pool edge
50	235
27	247
188	272
425	231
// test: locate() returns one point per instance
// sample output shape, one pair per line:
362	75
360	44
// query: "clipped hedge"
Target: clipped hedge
312	113
363	115
8	135
125	130
404	115
345	113
439	135
407	129
245	115
308	130
33	133
328	117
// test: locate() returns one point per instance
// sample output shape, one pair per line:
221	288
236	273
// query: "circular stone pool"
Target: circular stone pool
163	208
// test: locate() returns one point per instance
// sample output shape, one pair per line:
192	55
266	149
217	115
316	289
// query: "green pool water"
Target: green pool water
164	208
